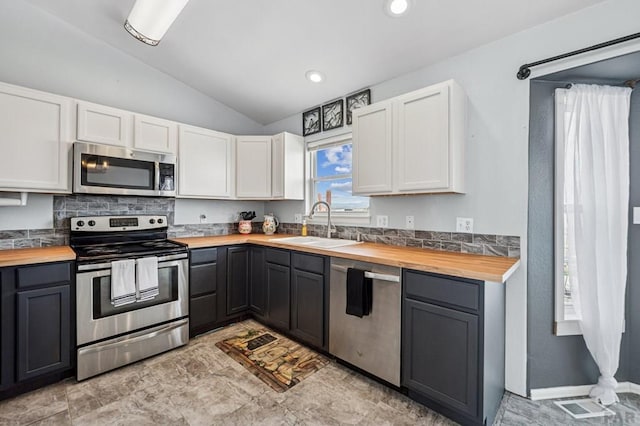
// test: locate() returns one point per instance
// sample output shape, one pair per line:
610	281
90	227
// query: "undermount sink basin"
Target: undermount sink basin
316	242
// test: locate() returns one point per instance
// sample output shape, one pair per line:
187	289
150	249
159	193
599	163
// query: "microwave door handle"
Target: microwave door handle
157	183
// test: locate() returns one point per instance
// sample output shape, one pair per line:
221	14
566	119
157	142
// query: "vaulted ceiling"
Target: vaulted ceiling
252	55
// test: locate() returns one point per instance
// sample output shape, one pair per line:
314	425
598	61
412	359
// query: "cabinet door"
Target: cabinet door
155	134
440	355
203	296
277	166
205	160
102	124
372	149
423	160
257	285
237	280
307	306
35	140
253	167
278	295
43	331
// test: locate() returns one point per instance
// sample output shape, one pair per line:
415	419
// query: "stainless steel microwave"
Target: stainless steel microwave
104	169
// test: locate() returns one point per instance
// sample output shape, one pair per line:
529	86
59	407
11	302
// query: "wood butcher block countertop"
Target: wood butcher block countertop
27	256
485	268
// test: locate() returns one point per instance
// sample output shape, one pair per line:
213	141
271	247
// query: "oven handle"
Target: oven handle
140	336
172	260
372	275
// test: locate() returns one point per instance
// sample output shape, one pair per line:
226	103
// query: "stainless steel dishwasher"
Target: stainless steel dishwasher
371	343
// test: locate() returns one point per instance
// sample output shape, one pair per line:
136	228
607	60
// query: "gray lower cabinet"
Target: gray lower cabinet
278	286
37	341
203	290
257	285
309	299
237	280
44	331
453	345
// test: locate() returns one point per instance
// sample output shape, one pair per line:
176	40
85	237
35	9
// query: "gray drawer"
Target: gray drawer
206	255
441	289
43	274
280	257
308	262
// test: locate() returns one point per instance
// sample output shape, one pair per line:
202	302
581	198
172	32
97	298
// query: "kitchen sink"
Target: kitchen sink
316	242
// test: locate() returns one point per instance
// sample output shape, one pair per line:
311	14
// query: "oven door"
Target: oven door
98	319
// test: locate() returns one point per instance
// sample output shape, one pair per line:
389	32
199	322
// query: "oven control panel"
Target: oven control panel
117	223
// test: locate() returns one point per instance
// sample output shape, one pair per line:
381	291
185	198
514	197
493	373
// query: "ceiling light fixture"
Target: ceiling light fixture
397	8
314	76
149	20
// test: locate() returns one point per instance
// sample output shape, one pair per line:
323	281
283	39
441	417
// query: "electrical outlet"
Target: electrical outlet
464	224
636	215
297	218
409	222
203	218
382	221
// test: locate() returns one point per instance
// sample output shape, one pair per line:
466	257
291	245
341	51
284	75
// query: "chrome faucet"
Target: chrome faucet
313	208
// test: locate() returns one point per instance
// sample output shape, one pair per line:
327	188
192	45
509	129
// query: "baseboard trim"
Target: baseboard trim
571	391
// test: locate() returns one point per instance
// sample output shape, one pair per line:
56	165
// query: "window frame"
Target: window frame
566	322
337	217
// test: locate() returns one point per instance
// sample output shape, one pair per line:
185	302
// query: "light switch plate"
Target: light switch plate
203	218
297	218
382	221
636	215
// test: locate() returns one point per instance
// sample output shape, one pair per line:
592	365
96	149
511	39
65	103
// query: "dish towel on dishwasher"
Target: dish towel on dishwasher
123	282
147	278
359	293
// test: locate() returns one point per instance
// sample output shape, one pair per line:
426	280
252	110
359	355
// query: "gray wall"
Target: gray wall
565	360
41	51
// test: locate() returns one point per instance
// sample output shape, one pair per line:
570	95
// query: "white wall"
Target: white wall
189	211
496	149
37	214
40	51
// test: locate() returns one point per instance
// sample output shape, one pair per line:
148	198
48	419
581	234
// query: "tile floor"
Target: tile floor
200	385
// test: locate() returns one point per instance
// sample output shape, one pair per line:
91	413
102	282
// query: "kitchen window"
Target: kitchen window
566	319
330	181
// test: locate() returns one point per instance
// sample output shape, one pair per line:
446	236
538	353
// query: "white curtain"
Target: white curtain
596	192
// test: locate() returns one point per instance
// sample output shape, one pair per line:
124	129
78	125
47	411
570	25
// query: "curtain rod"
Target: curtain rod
524	72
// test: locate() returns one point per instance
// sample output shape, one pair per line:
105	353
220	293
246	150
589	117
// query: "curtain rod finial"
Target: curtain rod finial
524	72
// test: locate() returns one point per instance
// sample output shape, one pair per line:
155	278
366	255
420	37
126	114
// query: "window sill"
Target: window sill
341	219
572	328
567	328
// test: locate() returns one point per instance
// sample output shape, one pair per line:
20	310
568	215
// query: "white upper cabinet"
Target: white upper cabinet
205	163
287	167
35	140
372	149
113	126
154	134
253	167
412	143
105	125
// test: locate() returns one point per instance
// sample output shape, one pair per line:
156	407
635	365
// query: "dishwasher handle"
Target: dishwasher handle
372	275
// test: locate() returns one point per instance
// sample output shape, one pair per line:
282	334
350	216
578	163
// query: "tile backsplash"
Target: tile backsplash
67	206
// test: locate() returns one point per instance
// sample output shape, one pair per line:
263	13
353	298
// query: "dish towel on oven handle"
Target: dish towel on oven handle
147	278
123	282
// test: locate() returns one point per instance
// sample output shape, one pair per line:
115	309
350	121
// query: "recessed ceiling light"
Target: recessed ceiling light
314	76
397	8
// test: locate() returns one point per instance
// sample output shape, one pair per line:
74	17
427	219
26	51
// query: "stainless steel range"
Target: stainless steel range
131	291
